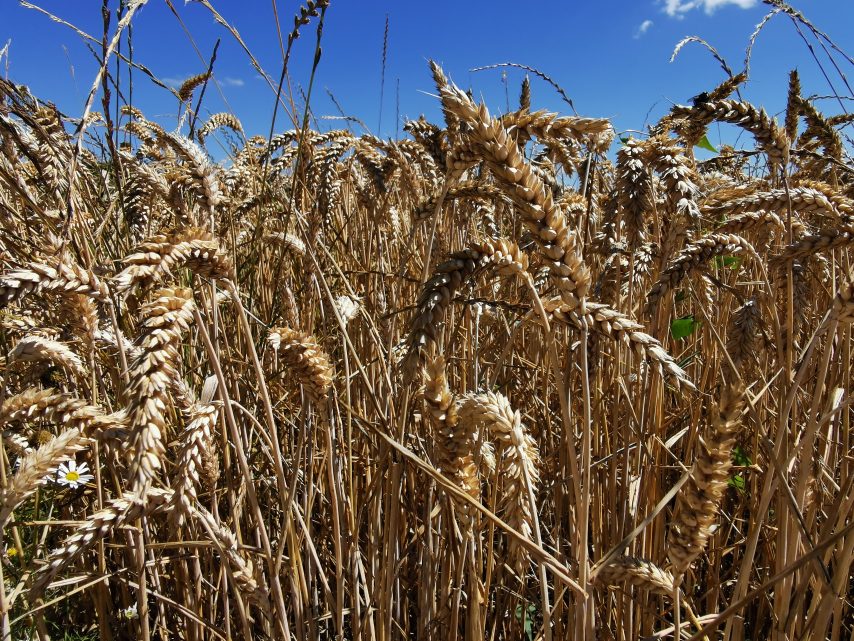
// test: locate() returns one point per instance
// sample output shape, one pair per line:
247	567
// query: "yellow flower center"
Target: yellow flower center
12	552
72	476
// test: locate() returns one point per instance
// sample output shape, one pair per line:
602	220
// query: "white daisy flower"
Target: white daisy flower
129	613
72	475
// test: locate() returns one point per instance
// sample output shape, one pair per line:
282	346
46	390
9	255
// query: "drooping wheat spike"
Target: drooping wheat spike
185	91
62	409
557	241
698	500
793	106
155	259
609	285
36	348
197	174
803	200
141	130
619	327
843	303
840	203
751	220
210	469
486	456
118	513
222	120
240	568
36	466
518	459
196	442
290	242
596	132
468	190
81	422
725	89
145	189
51	146
324	176
769	136
378	167
693	257
810	244
501	255
744	328
61	278
456	442
418	157
693	130
165	318
23	324
305	358
428	136
567	156
637	572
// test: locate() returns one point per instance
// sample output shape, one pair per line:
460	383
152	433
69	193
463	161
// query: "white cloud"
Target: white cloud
642	29
678	8
174	82
233	82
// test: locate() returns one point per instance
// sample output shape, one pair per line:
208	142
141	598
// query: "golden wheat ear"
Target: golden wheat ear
118	513
491	415
699	499
456	443
306	358
693	258
769	136
501	256
156	258
489	140
60	278
151	376
634	571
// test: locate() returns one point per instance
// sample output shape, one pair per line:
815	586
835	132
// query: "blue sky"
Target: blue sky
611	57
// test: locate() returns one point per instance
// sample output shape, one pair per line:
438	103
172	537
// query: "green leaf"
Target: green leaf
683	327
680	296
737	482
740	457
728	262
624	140
526	616
705	144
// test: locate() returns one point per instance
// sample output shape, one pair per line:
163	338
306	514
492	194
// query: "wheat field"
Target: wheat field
510	376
